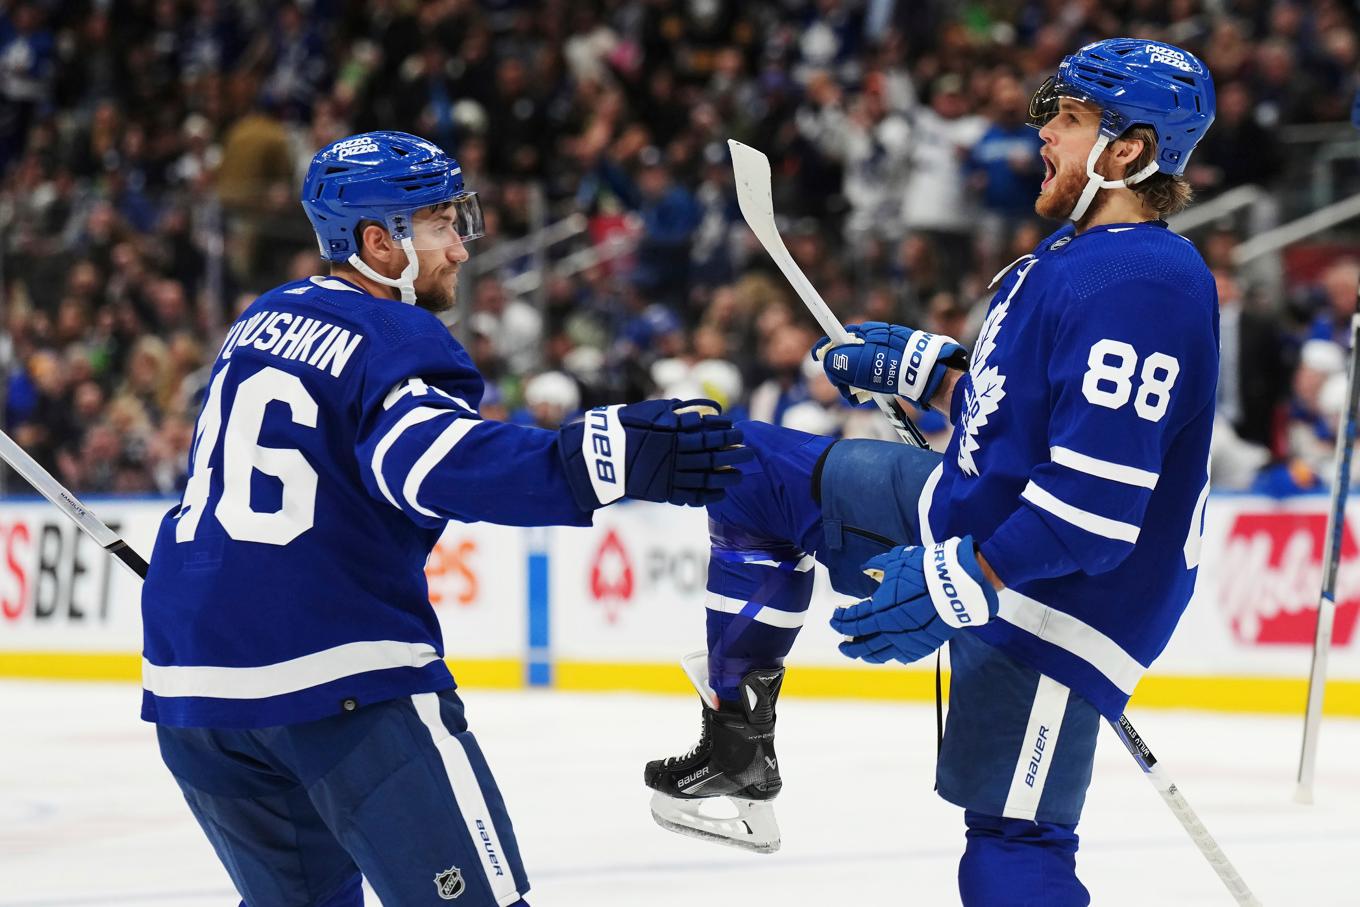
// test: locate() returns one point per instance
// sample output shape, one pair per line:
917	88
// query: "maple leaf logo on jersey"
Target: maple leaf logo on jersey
985	391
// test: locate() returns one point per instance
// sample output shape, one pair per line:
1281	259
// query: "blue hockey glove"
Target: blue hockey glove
671	451
924	597
890	359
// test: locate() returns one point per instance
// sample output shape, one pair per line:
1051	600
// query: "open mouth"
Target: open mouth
1049	172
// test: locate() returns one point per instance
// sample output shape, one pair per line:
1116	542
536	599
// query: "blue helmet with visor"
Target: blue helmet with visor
1134	82
387	178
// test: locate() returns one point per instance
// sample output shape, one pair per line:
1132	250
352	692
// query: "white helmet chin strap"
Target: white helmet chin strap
1095	182
405	282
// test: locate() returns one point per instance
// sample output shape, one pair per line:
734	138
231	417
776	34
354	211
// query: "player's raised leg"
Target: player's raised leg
800	498
759	585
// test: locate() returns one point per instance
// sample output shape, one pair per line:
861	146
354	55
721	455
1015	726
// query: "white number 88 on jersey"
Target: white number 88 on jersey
1109	370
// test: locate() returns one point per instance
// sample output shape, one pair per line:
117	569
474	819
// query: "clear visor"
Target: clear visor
439	226
1043	104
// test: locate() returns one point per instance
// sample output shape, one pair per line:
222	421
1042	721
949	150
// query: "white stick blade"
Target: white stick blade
751	173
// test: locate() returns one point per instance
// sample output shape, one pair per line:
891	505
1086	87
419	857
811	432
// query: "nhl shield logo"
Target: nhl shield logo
449	883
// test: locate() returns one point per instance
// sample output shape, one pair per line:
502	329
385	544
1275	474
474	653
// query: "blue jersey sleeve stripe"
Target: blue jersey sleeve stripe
264	681
1093	523
438	449
1073	635
1103	469
409	419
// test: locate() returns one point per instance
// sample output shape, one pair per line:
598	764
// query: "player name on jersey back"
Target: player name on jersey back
288	335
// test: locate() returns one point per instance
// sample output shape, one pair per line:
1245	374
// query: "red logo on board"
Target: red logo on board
1272	576
611	576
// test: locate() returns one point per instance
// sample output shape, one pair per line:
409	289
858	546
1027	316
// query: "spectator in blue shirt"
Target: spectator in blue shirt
26	56
1337	291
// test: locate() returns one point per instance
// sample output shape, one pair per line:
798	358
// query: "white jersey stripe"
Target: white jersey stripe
923	504
773	617
284	676
438	449
1093	523
1036	752
805	563
1072	635
471	801
414	417
1103	469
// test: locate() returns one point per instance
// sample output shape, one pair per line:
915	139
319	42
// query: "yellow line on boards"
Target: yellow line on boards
487	673
1275	695
1272	695
125	666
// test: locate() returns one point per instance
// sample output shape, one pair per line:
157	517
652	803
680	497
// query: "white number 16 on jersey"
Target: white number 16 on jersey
1111	365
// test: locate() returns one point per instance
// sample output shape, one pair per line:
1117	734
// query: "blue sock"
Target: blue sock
757	600
1019	863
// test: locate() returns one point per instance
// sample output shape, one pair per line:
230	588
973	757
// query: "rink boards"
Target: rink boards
613	607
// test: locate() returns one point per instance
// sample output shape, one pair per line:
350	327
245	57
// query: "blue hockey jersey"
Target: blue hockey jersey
339	434
1081	448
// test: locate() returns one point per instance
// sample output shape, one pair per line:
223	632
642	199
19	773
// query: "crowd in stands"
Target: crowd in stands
151	153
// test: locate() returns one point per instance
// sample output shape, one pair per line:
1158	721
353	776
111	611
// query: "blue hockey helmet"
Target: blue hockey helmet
1136	82
386	177
1133	82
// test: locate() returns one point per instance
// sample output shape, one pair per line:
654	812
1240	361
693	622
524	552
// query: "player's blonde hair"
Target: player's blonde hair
1162	192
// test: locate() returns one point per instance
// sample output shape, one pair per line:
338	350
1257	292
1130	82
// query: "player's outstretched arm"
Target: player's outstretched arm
891	359
431	456
669	451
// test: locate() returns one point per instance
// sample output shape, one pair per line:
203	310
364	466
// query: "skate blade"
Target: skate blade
753	828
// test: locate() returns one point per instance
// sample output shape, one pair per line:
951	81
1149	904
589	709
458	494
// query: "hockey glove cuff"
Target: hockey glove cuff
925	596
890	359
669	451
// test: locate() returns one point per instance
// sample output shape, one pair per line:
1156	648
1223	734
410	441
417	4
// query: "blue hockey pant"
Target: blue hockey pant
1018	746
397	791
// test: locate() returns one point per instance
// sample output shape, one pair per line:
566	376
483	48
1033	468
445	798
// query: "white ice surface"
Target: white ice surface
88	816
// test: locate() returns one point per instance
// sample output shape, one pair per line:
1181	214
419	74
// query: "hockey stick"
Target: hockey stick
70	505
752	171
1331	558
1178	805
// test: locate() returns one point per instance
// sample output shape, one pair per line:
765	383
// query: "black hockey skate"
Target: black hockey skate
733	766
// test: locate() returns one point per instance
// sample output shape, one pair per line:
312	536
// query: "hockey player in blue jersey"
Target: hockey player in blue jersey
1055	542
292	662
